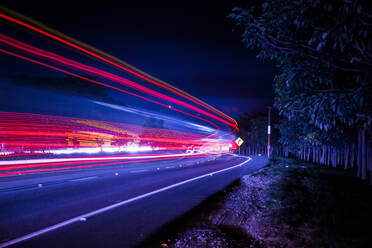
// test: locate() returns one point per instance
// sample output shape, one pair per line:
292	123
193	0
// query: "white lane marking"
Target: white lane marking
170	167
82	179
137	171
239	156
105	209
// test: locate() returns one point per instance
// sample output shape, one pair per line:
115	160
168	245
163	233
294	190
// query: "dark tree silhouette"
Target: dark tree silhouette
324	52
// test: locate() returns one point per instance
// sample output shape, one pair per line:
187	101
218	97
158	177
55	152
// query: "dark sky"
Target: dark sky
190	45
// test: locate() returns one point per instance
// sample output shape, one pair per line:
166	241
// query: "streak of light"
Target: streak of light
36	135
109	86
89	69
21	172
102	56
158	116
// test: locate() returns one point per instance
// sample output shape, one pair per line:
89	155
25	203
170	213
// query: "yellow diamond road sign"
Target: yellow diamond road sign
239	141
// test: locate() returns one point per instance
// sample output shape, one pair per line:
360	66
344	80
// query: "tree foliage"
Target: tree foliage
324	52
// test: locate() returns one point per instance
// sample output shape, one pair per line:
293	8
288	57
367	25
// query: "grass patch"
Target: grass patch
334	204
286	204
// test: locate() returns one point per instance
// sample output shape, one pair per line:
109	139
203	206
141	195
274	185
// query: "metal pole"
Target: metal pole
268	134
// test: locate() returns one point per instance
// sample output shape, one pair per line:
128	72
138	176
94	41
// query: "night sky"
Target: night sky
190	45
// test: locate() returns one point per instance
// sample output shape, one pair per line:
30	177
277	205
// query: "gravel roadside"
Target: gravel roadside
285	204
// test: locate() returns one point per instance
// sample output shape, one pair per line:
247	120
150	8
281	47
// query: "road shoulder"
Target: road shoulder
285	204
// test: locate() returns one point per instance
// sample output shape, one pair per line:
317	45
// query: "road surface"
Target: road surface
113	206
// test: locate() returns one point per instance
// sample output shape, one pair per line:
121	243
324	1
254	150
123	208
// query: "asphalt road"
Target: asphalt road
114	206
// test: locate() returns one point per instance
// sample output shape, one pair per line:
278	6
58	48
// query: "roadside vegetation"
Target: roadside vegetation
286	204
323	91
321	131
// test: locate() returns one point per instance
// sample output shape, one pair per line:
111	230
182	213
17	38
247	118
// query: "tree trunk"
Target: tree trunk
320	155
333	157
303	153
317	154
324	152
361	160
352	156
364	154
313	154
281	151
346	156
286	151
369	161
329	156
308	154
359	155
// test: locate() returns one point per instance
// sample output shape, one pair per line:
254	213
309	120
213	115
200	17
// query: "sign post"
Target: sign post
239	141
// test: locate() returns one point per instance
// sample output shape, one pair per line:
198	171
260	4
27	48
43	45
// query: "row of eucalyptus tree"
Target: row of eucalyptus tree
323	50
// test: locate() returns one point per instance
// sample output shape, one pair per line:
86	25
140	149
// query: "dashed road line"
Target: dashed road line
137	171
83	179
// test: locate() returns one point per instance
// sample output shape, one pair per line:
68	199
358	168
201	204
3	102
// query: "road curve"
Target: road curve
117	206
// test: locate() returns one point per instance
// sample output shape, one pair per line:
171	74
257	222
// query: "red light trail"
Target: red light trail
10	172
112	87
34	134
110	62
39	136
88	69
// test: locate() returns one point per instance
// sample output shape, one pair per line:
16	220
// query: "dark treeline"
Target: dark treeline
307	143
323	51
